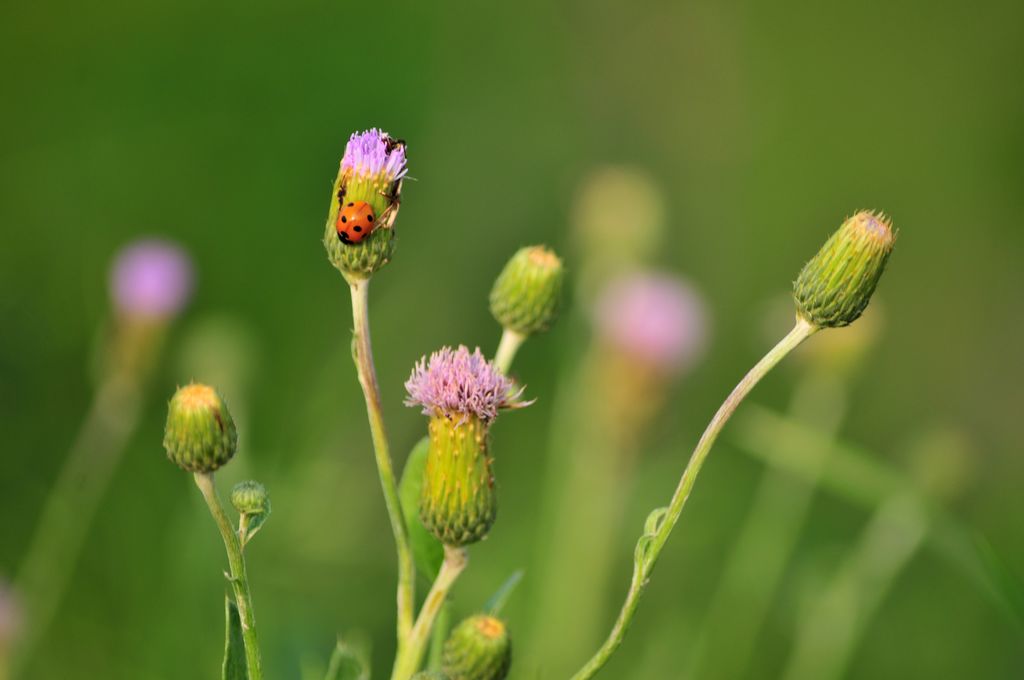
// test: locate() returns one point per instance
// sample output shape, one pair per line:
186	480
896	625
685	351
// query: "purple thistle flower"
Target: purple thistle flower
456	382
10	615
151	278
657	318
374	154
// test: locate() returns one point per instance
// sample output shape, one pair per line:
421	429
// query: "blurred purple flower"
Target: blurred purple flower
374	153
657	318
10	614
151	278
457	382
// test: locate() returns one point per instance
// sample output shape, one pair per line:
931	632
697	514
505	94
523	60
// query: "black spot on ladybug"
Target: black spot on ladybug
351	204
344	219
369	218
357	229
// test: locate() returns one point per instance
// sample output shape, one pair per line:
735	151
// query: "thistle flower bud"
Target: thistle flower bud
151	279
250	498
462	393
368	190
478	649
835	286
430	675
200	434
526	295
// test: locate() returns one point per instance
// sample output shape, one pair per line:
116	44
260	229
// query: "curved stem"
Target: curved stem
362	354
645	562
507	348
409	659
239	579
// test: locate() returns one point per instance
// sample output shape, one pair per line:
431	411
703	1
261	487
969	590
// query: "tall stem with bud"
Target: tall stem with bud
832	291
238	577
662	522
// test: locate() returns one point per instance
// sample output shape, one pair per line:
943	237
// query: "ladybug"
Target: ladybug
355	222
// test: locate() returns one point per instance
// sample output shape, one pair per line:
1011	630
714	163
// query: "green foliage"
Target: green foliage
501	596
234	648
347	664
427	551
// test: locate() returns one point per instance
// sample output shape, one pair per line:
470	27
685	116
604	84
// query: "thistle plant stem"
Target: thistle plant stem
77	492
363	357
409	659
510	343
238	578
645	563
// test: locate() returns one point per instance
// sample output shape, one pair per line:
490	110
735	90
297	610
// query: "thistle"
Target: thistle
835	286
200	434
151	279
526	295
462	393
656	321
368	188
250	498
252	502
478	649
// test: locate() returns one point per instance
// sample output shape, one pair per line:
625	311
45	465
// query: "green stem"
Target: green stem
507	348
643	566
70	505
830	630
239	579
363	356
767	540
409	659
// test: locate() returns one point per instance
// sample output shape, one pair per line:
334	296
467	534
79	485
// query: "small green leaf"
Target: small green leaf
501	596
235	667
427	551
347	664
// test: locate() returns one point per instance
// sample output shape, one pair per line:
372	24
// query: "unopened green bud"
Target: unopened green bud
458	503
430	675
527	293
250	498
834	288
200	434
359	235
478	649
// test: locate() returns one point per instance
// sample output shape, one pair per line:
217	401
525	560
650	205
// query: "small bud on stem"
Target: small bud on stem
200	434
836	285
527	293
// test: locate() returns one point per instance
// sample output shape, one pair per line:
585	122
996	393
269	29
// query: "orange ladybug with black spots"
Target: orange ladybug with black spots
355	222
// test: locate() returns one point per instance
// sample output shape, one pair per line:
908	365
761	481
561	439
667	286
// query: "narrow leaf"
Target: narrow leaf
501	596
234	647
427	551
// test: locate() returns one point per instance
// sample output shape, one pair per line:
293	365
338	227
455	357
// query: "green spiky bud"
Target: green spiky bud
458	503
200	435
527	293
430	675
478	649
252	502
250	498
835	286
371	171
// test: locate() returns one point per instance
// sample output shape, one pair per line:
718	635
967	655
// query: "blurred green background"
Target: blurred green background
220	125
